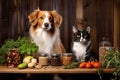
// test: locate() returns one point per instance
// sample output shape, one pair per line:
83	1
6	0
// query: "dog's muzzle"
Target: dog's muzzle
47	26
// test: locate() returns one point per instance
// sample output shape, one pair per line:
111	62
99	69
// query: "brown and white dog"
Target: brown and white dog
45	32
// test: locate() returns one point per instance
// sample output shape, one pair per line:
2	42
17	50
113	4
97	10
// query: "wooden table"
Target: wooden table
51	69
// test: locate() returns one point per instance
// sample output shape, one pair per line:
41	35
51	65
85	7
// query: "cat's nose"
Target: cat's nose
81	38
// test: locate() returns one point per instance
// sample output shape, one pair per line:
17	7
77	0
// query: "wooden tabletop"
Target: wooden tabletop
51	69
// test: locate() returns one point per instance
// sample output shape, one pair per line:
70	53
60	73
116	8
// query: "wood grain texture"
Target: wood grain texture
98	13
14	21
51	69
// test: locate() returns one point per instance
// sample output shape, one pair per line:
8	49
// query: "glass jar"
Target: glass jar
13	58
55	59
104	46
67	59
43	59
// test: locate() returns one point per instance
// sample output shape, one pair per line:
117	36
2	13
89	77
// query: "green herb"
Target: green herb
28	48
112	60
24	45
73	65
99	72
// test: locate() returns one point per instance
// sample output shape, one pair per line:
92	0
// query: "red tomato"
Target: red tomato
92	62
96	65
88	65
82	65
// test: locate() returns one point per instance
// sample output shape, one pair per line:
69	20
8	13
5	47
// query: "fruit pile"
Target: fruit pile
83	64
91	64
29	62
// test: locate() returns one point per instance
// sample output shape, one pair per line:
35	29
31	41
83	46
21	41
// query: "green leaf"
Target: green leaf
23	44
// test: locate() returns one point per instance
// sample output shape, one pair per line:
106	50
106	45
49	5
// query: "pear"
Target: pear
22	65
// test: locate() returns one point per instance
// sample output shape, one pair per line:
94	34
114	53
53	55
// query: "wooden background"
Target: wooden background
14	21
98	13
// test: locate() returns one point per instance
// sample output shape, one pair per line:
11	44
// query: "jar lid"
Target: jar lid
67	54
44	54
14	49
105	42
55	54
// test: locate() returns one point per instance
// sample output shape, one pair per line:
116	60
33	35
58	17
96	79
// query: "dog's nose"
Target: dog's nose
46	25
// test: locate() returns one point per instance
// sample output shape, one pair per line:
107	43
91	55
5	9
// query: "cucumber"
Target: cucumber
22	65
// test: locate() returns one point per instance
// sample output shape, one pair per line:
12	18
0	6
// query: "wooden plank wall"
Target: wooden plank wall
14	21
116	23
100	16
98	13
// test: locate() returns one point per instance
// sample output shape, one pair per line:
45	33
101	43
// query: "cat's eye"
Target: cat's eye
85	33
78	35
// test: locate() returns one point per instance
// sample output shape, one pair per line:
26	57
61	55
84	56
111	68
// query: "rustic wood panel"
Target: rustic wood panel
117	23
0	21
14	21
52	70
99	14
89	13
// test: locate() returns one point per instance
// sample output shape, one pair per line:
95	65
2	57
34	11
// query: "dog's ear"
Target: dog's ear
57	18
34	15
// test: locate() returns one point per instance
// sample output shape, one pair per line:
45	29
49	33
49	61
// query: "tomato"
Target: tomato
88	65
82	65
92	62
96	65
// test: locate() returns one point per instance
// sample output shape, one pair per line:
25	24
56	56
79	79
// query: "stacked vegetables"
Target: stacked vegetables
112	60
29	62
92	64
83	64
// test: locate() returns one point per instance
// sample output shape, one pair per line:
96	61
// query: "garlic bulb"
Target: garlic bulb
33	60
31	65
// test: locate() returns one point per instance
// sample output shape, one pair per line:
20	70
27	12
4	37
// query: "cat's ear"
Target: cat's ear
88	29
74	29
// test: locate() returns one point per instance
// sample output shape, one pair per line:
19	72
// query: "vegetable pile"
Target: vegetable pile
92	64
24	45
29	62
73	65
112	60
83	64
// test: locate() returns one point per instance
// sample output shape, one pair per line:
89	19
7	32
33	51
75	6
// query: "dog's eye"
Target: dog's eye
41	17
50	18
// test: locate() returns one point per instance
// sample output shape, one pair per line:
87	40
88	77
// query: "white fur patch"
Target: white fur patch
44	40
46	20
79	50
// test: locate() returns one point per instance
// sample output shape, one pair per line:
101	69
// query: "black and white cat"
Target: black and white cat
82	46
